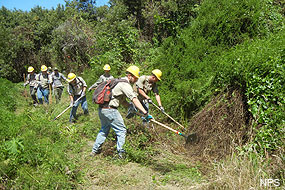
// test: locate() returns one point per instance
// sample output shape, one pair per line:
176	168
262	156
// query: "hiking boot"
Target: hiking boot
93	154
121	155
73	120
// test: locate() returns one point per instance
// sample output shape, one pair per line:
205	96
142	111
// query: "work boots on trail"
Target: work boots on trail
120	155
94	153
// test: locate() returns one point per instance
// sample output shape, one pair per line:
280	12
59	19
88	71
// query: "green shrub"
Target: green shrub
258	68
188	60
231	22
8	94
33	150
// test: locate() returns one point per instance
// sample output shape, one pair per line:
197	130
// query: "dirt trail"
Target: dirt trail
220	126
105	172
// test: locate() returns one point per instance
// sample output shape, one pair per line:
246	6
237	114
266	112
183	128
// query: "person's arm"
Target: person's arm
70	92
129	92
71	100
27	80
141	92
84	86
139	105
83	91
63	77
157	97
99	81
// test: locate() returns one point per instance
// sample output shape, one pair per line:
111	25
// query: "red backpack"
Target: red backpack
103	92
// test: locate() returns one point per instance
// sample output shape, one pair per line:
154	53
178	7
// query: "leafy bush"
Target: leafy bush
188	60
33	152
118	45
230	22
258	68
7	92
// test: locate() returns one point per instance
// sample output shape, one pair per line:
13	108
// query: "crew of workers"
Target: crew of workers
110	117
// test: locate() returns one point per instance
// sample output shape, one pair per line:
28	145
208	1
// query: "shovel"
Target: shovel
66	109
169	116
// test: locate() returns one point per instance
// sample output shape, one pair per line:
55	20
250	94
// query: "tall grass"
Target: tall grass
33	150
248	171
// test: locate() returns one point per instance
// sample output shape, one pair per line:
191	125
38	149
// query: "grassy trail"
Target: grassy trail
164	166
156	158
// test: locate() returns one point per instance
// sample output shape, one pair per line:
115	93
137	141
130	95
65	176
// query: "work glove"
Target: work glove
149	101
131	111
162	109
148	118
71	103
24	85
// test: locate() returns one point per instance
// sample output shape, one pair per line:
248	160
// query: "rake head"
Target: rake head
191	138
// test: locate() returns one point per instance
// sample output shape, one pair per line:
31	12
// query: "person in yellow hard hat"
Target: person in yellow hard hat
44	80
110	116
106	76
147	84
31	80
77	94
57	78
49	70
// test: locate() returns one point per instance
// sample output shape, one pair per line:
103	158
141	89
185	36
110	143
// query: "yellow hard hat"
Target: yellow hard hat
70	77
157	73
107	67
134	70
30	69
44	68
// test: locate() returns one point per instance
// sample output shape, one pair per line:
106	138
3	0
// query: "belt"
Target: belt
109	107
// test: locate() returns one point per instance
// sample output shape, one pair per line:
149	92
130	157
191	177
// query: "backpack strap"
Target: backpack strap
80	80
114	82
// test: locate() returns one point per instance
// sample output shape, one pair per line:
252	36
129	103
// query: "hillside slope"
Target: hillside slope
43	154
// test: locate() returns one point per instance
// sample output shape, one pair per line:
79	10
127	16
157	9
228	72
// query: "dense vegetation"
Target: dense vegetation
202	47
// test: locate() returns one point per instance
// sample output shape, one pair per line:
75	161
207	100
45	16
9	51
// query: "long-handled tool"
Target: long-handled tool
25	91
189	138
50	94
66	109
168	116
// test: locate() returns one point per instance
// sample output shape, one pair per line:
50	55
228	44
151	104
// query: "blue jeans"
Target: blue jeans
43	92
110	118
84	106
